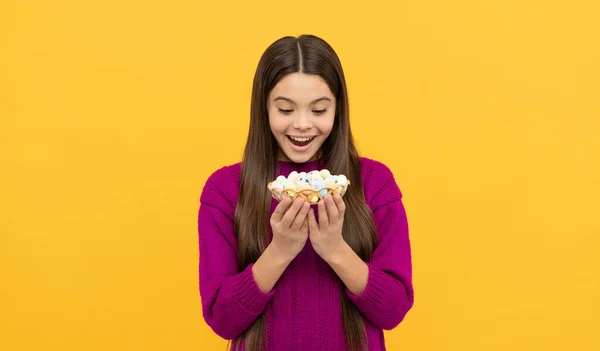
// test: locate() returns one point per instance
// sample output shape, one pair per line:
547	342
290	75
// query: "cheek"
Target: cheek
325	125
277	125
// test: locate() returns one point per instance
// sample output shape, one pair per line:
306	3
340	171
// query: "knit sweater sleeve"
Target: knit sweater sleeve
388	295
231	299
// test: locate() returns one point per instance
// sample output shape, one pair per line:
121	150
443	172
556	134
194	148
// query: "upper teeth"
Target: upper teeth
300	139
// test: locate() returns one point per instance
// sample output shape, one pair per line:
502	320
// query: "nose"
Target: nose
303	121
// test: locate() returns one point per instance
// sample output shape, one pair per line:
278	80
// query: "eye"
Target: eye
319	112
285	112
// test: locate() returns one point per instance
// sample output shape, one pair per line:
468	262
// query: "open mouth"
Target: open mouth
300	142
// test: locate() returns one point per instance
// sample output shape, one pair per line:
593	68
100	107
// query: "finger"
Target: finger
290	214
341	206
301	216
332	211
280	209
323	220
312	222
304	227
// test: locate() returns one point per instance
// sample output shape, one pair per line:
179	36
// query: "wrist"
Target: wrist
278	255
269	267
339	255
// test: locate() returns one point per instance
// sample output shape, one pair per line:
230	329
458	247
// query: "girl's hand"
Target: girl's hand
326	236
290	227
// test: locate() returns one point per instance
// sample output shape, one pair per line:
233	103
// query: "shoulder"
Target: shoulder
221	189
371	167
226	174
379	183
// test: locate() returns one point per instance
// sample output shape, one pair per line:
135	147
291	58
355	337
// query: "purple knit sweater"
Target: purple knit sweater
303	310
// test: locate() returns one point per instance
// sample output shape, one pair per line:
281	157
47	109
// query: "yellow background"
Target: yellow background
114	113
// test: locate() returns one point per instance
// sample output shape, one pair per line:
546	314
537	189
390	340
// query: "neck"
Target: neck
282	157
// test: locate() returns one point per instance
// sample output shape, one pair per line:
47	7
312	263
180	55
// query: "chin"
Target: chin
290	155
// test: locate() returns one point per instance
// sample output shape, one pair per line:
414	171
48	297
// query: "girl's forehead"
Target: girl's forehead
300	88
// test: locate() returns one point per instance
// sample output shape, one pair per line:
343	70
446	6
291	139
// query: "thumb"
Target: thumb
312	222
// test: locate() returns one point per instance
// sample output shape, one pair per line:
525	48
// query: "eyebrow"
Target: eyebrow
292	101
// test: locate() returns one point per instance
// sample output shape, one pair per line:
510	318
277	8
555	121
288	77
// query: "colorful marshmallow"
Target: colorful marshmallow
311	186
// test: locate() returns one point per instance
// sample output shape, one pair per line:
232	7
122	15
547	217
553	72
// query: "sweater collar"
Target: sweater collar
286	167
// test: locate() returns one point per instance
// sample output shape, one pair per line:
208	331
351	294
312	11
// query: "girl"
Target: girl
287	275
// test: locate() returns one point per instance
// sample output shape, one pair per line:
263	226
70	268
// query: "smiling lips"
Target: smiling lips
300	143
301	138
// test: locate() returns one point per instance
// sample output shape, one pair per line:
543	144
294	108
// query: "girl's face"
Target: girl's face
301	106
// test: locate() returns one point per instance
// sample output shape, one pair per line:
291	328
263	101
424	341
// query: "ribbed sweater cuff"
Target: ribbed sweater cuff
247	293
372	298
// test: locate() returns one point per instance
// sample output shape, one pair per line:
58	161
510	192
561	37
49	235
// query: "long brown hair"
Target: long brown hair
311	55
